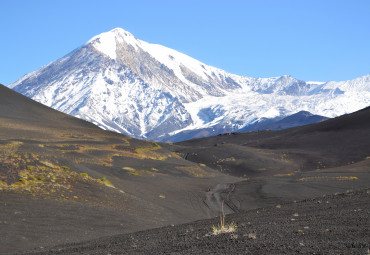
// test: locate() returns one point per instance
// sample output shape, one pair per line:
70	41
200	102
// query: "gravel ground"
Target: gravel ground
334	224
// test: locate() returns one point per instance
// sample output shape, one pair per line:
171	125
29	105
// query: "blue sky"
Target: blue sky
310	40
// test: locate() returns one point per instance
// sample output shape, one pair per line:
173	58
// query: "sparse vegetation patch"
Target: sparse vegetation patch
195	171
41	176
135	172
328	178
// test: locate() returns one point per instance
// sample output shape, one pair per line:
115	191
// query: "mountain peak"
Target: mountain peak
116	32
106	42
122	34
285	78
153	92
120	31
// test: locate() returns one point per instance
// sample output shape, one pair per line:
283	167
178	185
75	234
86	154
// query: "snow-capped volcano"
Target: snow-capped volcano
149	91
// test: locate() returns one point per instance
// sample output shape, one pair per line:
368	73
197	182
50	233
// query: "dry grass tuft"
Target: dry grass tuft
222	227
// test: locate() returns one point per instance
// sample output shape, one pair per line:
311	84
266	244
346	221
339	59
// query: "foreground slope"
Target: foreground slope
63	179
335	224
149	91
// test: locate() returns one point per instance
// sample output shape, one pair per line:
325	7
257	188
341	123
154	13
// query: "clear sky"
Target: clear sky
313	40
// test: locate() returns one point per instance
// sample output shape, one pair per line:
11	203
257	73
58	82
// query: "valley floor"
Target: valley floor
274	215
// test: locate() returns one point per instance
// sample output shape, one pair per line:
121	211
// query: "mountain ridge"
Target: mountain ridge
149	91
297	119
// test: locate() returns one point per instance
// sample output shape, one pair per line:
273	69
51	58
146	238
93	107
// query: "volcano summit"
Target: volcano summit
148	91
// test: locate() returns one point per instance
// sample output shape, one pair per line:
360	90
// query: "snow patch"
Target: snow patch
270	113
106	44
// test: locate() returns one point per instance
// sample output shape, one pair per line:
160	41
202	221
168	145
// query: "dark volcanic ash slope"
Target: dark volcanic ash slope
335	224
293	164
63	179
332	143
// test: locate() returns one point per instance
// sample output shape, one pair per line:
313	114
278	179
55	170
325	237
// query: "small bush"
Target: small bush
48	164
84	174
106	182
131	171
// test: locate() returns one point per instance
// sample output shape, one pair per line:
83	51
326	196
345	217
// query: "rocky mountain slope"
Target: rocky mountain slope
149	91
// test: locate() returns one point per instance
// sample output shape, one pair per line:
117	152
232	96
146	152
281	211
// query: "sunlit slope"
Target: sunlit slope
63	179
